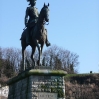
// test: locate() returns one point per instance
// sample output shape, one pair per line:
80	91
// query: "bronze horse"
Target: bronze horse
38	36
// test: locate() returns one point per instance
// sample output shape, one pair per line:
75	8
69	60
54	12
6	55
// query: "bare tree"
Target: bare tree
60	58
55	57
11	60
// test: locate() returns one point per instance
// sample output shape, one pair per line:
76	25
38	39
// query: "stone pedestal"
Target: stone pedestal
38	84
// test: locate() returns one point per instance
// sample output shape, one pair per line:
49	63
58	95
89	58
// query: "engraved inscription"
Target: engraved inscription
44	95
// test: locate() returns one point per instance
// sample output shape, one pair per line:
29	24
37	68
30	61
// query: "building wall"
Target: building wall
4	92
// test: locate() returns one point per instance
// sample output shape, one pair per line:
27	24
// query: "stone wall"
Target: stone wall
38	84
82	86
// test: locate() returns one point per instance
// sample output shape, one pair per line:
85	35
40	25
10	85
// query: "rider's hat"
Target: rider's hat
28	0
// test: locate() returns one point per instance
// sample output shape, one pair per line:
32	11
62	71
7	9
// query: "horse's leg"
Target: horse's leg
23	56
41	52
37	45
32	55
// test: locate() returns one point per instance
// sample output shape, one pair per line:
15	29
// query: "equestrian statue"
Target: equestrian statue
34	32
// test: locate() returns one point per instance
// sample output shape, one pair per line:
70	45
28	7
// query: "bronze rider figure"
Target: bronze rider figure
32	13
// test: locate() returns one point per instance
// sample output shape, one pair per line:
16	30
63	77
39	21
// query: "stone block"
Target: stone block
17	90
33	78
31	82
32	94
19	84
42	90
23	92
53	83
18	97
32	98
45	95
11	89
32	86
34	90
36	83
17	94
24	88
10	96
54	77
24	85
24	81
23	96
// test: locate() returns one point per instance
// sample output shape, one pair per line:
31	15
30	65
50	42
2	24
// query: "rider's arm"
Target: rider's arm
26	17
37	12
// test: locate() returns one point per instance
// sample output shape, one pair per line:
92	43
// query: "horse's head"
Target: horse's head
45	12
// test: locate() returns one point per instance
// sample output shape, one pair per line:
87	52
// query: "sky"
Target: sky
74	26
